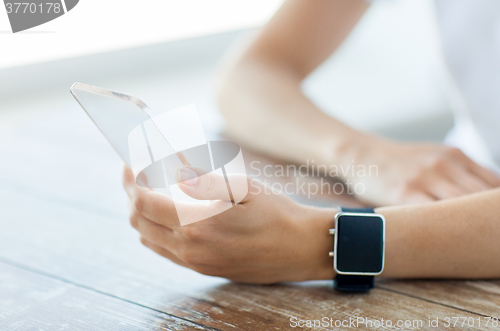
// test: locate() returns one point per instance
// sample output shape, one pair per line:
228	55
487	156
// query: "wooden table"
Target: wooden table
70	261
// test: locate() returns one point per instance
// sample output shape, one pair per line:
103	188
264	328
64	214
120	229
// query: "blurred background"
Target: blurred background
387	78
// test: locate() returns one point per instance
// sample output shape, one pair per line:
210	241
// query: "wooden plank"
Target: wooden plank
30	301
63	158
104	254
282	305
479	296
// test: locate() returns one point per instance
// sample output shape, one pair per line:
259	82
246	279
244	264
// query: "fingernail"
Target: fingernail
188	176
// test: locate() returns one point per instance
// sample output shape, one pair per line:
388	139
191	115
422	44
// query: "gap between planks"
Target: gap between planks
39	272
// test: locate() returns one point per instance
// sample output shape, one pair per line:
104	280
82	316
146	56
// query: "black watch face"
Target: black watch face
360	244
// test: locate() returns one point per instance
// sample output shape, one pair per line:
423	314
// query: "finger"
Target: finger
419	198
153	205
127	179
443	188
210	186
163	252
156	207
486	175
155	233
469	181
129	184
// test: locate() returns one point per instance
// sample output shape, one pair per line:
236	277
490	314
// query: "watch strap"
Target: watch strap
358	210
354	283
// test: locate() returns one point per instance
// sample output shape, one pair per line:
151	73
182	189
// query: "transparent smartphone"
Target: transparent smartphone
154	146
116	115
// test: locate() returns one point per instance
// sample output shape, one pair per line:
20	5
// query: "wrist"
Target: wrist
358	149
318	243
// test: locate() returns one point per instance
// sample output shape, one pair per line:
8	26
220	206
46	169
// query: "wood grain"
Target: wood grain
478	296
30	301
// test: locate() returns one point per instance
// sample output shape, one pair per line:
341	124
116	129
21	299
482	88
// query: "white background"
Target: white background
105	25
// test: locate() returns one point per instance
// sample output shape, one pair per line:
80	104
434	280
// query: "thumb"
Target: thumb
203	185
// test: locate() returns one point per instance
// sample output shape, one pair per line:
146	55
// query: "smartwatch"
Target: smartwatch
359	248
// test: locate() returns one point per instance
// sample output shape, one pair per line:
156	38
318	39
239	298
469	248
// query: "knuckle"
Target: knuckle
139	203
455	152
192	233
417	177
440	163
409	188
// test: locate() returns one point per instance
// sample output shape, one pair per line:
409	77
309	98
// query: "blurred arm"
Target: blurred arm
260	96
260	93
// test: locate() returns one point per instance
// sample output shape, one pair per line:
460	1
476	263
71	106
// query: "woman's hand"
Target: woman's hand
403	173
266	238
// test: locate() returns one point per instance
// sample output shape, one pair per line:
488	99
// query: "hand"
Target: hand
418	173
266	238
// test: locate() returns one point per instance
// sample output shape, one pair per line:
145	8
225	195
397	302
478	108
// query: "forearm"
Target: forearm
456	238
259	87
266	109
